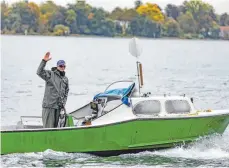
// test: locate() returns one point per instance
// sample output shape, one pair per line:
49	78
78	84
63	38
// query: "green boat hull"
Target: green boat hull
127	136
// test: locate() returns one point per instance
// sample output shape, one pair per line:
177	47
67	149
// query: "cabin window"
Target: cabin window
177	106
148	107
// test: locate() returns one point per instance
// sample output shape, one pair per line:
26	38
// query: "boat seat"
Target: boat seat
30	122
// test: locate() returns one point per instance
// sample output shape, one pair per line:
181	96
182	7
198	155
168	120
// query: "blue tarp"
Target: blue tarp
123	92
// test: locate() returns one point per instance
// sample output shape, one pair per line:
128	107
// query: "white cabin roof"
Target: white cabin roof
167	97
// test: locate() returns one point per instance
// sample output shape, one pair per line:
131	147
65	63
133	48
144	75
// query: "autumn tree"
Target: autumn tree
171	28
187	23
152	11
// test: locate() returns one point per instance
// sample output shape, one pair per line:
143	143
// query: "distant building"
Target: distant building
224	32
123	24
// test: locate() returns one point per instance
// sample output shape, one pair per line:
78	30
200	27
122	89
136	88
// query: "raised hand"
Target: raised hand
47	56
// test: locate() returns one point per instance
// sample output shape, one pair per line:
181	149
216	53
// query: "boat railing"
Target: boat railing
31	117
117	82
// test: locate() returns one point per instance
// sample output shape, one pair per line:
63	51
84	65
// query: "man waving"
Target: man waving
56	91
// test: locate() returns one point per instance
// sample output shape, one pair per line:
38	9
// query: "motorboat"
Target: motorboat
120	119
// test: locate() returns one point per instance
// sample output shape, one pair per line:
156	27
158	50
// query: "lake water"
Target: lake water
199	69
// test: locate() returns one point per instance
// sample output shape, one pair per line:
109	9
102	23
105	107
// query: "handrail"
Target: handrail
118	82
31	116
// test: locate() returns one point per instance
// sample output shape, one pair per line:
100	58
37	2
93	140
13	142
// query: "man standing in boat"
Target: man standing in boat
56	91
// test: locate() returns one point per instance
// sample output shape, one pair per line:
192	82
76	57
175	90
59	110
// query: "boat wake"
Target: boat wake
212	147
212	151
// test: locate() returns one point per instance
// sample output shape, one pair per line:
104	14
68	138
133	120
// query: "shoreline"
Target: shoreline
115	37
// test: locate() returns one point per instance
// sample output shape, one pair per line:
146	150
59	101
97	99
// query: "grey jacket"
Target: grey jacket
56	88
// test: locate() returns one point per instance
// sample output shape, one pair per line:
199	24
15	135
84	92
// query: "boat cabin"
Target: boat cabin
124	103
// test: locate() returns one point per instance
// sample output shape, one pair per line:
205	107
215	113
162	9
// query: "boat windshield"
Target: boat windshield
117	90
114	95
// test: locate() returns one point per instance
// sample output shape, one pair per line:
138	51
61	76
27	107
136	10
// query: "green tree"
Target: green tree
224	19
214	31
14	23
53	13
70	20
123	16
49	7
128	15
99	24
182	8
116	14
60	30
118	28
204	15
187	23
22	17
82	11
172	11
142	26
57	18
4	15
171	28
198	8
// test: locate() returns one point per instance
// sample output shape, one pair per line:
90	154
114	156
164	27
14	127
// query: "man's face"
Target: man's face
61	68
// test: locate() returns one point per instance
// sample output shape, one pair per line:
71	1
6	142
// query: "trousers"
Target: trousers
50	117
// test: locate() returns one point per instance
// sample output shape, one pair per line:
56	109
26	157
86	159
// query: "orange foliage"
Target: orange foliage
90	16
44	19
152	11
34	8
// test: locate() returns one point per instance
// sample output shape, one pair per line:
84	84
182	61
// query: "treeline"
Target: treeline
192	19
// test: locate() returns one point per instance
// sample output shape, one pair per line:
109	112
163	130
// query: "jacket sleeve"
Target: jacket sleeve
44	74
66	93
